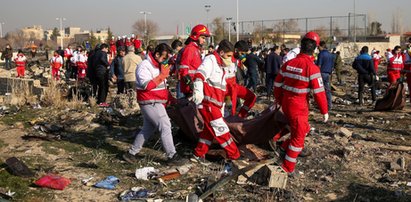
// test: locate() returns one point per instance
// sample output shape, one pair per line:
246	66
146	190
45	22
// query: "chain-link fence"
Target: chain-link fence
330	28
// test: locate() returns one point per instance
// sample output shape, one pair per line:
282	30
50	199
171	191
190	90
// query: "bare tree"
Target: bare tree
16	39
139	28
218	30
323	32
287	26
337	31
374	28
397	22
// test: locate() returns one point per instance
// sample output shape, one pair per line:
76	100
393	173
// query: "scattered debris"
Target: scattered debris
145	173
344	131
18	168
134	193
109	183
6	194
53	182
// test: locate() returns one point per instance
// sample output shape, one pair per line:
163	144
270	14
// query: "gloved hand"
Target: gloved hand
165	70
164	73
326	116
198	92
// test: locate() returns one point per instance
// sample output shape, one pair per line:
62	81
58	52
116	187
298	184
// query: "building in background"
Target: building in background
35	32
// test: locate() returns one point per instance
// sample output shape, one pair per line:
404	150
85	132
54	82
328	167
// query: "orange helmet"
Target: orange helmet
313	36
199	30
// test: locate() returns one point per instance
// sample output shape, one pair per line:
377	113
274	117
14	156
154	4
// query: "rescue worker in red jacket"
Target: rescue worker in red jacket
152	96
119	42
20	61
191	58
208	93
81	62
395	65
68	53
113	48
292	86
376	58
128	42
56	63
407	68
235	90
136	42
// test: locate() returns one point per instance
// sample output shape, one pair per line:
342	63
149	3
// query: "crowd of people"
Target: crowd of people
217	80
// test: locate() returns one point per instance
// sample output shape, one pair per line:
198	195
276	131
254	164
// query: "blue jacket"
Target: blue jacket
325	61
116	68
364	64
252	62
273	64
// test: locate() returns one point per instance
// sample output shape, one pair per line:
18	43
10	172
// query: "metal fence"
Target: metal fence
351	27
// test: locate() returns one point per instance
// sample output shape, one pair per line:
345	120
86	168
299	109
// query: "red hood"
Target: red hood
153	61
218	57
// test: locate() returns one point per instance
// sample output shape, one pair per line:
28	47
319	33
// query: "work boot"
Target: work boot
305	152
130	158
177	160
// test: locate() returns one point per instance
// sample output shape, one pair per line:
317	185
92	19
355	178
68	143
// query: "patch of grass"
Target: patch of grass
24	116
2	144
14	183
67	146
49	148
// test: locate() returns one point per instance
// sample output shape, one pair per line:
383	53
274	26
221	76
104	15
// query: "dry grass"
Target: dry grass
21	94
75	103
92	101
53	96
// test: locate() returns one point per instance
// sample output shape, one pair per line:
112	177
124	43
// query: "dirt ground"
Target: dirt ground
362	166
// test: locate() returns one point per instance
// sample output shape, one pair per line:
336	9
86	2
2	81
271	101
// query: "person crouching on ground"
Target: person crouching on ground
56	63
20	61
208	94
152	96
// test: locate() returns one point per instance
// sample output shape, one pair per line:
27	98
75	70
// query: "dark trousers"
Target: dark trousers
73	72
102	86
120	86
269	79
252	80
362	80
7	63
327	88
131	85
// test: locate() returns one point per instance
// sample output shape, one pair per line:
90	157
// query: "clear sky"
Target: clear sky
121	14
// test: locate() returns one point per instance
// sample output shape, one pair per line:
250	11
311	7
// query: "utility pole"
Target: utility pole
355	26
237	24
207	9
1	29
61	30
229	28
145	13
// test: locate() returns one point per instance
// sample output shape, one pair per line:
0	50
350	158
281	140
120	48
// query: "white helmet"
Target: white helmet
132	35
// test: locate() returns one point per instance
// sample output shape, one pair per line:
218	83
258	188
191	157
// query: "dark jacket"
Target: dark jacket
7	54
116	68
100	62
325	61
364	64
273	64
252	62
338	61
